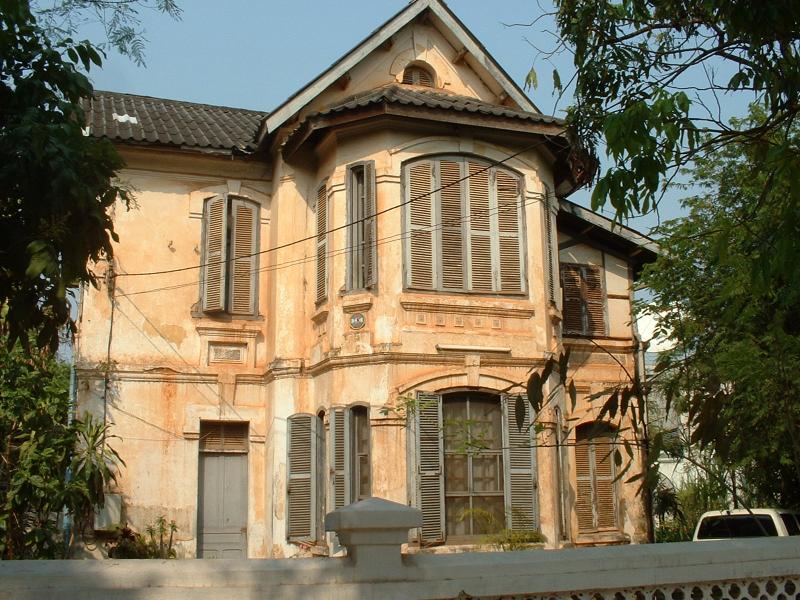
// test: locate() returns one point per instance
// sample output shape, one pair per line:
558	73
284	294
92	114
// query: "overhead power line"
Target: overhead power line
309	238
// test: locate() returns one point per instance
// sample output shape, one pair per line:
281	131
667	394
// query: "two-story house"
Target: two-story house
335	300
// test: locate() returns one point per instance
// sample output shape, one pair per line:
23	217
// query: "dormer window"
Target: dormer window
416	75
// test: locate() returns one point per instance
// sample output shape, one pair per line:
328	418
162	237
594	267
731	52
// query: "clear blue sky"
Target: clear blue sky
254	54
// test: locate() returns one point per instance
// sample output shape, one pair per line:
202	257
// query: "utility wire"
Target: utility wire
339	251
340	227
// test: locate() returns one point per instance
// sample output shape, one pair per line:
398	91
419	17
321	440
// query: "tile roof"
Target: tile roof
131	118
419	96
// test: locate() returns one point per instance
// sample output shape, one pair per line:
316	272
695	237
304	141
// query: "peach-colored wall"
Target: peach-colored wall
303	357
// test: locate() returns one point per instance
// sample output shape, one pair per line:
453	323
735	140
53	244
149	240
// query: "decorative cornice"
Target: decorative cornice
157	374
470	309
235	332
473	349
450	358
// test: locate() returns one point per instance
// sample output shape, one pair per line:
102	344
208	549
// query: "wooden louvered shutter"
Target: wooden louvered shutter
215	257
584	501
519	462
217	436
452	237
322	243
549	240
509	222
370	227
480	226
604	496
244	263
594	298
430	462
420	253
340	458
572	303
302	456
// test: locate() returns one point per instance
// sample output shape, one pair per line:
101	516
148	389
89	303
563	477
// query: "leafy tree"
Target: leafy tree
653	77
48	461
119	20
56	184
734	313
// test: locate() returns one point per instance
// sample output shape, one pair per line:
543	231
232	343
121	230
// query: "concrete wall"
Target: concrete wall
757	569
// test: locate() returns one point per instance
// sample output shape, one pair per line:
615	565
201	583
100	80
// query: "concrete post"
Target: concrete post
373	530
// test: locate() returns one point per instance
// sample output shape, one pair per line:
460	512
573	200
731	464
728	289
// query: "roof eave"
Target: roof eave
634	245
316	124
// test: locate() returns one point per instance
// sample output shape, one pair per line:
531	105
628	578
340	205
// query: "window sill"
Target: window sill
223	317
515	308
356	301
603	538
460	548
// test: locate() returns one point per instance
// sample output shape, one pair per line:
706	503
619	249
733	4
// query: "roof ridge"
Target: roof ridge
179	102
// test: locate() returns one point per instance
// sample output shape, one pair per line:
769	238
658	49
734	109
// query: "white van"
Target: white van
743	523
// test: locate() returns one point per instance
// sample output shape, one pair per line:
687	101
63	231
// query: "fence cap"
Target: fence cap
372	514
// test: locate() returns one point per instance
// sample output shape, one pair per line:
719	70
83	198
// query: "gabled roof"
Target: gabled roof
378	37
146	120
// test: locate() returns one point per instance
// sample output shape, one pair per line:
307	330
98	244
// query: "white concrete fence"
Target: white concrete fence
374	530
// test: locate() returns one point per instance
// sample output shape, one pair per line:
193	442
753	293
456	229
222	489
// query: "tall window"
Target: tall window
321	209
464	224
230	260
476	471
344	468
596	502
361	480
584	300
361	231
473	464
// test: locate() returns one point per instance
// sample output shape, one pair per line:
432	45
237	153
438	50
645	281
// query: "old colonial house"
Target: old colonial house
322	303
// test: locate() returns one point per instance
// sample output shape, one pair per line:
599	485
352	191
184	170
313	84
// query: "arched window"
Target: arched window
476	470
417	75
464	222
596	494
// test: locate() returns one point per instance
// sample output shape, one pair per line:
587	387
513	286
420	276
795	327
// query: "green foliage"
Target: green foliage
507	540
157	544
706	489
39	448
513	540
120	21
56	187
651	76
727	290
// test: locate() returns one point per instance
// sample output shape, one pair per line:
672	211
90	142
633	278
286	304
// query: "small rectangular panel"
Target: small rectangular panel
227	353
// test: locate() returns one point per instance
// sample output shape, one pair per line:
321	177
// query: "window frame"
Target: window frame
356	412
229	258
321	246
466	398
426	458
436	227
590	434
585	330
359	221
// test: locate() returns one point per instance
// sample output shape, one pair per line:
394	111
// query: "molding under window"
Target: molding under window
473	349
470	309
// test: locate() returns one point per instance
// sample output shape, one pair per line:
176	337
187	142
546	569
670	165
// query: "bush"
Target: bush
130	544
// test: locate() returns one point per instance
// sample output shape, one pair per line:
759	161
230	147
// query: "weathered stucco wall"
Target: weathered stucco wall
150	370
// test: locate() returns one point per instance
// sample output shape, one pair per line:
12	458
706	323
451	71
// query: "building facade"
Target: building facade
344	297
